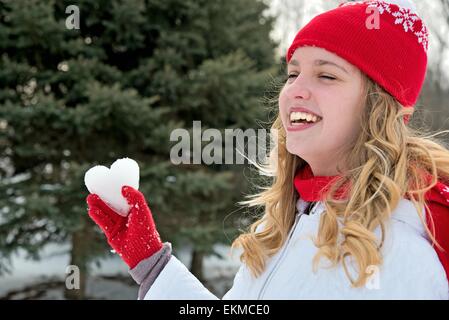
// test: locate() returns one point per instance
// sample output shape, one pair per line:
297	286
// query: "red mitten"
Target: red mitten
133	237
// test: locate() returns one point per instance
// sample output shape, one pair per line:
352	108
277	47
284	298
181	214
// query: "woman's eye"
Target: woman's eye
293	75
327	77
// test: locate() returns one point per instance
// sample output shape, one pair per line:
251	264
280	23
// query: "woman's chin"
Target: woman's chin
296	149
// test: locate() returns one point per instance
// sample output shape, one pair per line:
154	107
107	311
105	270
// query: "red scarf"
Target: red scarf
312	188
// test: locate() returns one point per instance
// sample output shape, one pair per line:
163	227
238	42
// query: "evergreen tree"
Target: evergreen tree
117	87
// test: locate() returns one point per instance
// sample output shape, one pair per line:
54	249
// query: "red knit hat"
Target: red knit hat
393	53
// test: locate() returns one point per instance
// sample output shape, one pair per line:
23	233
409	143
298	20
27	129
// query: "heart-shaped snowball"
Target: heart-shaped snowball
107	183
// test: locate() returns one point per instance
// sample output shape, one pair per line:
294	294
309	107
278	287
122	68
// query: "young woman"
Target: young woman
358	207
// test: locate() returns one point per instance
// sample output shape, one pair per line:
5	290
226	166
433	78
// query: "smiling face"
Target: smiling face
331	88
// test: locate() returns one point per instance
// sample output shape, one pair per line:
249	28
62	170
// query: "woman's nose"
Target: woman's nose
298	89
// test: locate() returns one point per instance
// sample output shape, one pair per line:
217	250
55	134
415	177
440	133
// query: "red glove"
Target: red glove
133	237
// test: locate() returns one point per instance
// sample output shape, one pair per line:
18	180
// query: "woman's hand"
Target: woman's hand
133	237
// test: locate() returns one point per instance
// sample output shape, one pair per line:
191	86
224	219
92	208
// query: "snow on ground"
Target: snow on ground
45	279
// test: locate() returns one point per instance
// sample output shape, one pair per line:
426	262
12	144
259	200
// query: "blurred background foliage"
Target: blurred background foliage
117	87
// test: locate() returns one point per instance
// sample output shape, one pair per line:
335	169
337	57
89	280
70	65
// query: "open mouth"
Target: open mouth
298	118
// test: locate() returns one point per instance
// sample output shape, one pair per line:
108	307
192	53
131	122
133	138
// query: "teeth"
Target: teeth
302	115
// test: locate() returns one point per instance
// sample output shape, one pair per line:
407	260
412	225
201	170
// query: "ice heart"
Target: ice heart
107	183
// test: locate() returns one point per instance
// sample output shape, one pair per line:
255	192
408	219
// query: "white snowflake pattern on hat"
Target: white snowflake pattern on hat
382	6
423	36
404	15
385	4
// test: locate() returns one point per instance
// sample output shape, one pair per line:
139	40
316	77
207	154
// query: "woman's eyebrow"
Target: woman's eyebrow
324	62
319	62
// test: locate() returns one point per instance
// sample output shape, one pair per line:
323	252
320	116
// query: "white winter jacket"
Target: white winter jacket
410	270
